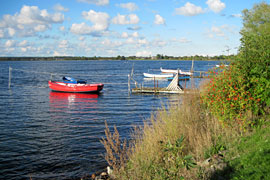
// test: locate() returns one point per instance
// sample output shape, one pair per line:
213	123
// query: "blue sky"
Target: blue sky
120	27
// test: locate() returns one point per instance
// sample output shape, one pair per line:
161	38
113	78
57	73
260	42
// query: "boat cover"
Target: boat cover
69	80
72	80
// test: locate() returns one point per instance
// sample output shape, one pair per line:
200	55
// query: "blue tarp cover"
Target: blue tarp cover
72	80
69	80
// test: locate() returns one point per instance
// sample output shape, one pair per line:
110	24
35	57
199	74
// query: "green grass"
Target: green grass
249	158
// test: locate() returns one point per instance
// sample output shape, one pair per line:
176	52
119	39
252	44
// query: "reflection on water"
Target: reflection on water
60	101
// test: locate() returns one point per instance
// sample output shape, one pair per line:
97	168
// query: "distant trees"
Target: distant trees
121	57
157	57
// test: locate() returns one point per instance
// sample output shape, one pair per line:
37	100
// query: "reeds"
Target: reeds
168	145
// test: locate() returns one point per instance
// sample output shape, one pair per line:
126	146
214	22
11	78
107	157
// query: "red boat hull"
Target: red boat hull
77	88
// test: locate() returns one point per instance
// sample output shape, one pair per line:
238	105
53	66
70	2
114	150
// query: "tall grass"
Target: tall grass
170	143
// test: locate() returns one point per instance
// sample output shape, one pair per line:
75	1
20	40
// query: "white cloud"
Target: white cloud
56	53
23	49
135	34
142	41
82	28
159	20
33	15
126	19
143	53
130	41
11	31
109	44
23	43
99	19
189	10
96	2
218	31
129	6
106	42
124	35
63	44
40	28
59	7
29	21
9	43
221	31
216	5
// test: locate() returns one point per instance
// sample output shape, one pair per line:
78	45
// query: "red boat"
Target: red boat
71	85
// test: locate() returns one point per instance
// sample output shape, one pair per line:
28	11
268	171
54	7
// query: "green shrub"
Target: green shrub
237	94
229	97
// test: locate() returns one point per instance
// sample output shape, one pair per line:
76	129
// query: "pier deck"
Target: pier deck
155	90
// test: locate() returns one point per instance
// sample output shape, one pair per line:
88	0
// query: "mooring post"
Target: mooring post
128	83
192	66
9	77
154	83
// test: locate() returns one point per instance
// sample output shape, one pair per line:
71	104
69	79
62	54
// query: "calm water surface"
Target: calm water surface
50	135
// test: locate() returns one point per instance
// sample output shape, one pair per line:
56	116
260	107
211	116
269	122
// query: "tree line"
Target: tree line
157	57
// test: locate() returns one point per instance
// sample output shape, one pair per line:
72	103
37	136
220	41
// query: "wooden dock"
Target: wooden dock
151	90
173	88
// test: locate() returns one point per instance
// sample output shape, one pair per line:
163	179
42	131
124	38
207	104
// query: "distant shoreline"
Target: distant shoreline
77	58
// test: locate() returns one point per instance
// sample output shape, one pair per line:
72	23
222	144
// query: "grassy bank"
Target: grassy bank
179	142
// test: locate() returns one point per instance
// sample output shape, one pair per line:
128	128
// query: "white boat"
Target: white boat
175	71
225	65
157	75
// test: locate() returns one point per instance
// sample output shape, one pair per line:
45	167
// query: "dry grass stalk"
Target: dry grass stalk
116	150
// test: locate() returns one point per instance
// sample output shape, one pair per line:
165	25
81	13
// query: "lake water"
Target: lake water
50	135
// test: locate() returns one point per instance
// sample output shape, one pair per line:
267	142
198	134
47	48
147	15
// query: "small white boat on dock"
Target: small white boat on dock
175	71
157	75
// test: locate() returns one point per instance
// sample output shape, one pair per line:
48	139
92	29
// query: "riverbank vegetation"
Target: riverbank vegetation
221	131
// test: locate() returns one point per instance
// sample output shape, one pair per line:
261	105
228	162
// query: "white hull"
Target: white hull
157	75
175	71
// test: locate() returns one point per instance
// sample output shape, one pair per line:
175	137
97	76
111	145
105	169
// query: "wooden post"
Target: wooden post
192	66
154	82
9	77
128	84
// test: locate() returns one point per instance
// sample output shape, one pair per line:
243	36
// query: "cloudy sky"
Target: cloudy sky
120	27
